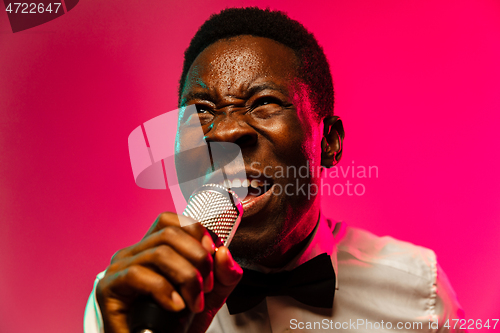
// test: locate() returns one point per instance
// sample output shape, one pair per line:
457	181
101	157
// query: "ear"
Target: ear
332	142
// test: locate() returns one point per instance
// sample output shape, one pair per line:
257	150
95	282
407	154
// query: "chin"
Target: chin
249	248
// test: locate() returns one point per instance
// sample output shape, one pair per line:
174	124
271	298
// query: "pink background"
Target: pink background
417	84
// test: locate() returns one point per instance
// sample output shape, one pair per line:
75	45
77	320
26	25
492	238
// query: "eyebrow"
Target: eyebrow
208	95
204	95
264	86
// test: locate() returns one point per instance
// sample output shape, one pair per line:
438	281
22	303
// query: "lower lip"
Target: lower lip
252	205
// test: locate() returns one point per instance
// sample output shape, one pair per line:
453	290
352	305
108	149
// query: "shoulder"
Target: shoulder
380	274
394	270
386	252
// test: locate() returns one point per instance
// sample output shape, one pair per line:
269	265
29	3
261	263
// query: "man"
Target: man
261	81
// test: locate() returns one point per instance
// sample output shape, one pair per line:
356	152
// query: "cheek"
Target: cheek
312	147
309	140
191	159
298	144
309	123
289	137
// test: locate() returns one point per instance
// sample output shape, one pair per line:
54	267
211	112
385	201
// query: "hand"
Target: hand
174	265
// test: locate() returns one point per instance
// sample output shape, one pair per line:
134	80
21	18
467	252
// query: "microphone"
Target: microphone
219	210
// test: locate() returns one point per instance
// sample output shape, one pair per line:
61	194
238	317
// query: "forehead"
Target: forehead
236	63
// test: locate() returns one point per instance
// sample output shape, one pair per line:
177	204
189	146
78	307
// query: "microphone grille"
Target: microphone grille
217	209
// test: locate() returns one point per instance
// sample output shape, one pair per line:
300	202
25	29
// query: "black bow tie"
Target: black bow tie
312	283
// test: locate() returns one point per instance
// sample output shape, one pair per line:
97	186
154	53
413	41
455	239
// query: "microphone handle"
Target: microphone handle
149	317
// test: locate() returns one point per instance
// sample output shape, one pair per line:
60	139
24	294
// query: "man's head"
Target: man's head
313	67
252	90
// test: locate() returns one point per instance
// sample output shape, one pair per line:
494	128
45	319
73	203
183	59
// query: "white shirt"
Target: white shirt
383	285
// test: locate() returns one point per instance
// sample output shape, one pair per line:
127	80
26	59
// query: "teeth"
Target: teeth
255	183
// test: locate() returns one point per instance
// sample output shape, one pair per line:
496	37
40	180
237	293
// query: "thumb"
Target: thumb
227	274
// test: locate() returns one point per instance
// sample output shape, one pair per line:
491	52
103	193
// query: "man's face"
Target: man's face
247	92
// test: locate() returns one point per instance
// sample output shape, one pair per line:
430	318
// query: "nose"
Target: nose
229	128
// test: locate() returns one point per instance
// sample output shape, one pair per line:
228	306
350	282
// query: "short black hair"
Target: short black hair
276	25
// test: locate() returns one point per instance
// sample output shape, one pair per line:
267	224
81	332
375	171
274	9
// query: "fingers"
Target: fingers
174	265
168	258
113	291
186	240
167	219
197	251
191	274
188	272
143	281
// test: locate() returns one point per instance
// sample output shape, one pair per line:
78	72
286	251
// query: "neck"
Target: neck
293	243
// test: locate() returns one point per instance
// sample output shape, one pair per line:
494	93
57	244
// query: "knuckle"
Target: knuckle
164	285
170	233
196	228
119	255
167	219
132	272
113	267
203	260
194	280
189	276
162	252
202	255
100	288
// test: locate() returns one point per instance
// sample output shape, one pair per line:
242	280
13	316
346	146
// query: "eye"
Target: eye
201	108
205	114
266	100
266	107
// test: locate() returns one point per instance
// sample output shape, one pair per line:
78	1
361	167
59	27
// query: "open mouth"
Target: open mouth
254	193
254	189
